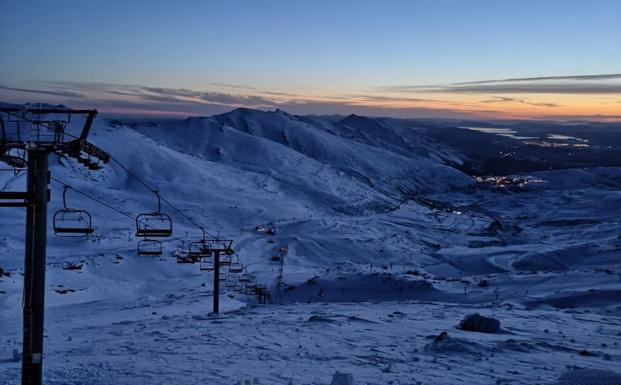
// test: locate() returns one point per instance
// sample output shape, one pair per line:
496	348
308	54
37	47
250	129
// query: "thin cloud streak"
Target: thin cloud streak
504	99
543	78
576	84
234	86
164	95
404	99
42	92
590	88
592	117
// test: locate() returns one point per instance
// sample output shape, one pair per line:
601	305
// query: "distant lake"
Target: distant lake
565	137
509	133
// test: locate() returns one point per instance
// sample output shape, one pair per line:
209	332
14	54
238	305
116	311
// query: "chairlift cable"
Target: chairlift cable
132	174
104	203
128	171
93	198
141	181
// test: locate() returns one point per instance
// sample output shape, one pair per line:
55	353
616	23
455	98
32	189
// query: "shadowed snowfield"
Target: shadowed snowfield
391	240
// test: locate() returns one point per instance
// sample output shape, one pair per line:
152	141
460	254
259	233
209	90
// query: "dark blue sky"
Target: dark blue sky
309	55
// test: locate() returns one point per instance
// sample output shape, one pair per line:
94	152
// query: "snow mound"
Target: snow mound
515	346
445	344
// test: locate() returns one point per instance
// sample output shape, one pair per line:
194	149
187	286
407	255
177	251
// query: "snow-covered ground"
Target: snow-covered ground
388	244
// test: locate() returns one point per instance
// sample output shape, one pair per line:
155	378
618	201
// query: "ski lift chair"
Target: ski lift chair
206	264
70	222
182	254
225	260
249	288
155	224
251	285
93	165
182	259
236	268
198	249
231	282
87	160
150	247
245	278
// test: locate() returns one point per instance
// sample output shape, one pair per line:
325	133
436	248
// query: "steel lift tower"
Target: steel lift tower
28	135
218	248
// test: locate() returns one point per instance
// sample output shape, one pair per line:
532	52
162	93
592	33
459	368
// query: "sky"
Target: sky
527	59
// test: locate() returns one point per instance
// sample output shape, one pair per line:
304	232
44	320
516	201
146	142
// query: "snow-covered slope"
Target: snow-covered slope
368	209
